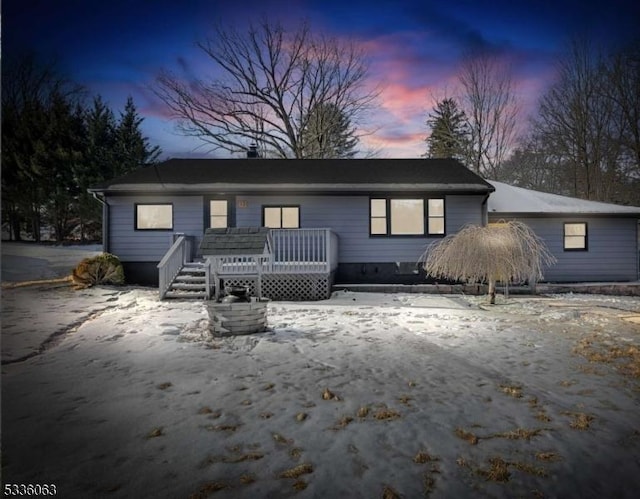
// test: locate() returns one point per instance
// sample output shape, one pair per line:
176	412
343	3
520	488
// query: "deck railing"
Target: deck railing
303	251
172	263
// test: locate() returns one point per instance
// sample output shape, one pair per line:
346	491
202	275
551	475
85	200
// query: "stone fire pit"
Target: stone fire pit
239	317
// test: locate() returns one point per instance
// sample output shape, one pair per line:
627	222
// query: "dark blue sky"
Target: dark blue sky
116	48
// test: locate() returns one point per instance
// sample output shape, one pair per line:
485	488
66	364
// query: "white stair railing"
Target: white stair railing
172	263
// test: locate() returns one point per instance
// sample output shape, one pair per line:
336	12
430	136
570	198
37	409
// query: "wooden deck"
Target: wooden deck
299	261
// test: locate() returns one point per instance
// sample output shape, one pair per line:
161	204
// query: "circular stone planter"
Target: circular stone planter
241	317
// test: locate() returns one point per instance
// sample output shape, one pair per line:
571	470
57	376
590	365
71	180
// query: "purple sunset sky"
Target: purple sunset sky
116	48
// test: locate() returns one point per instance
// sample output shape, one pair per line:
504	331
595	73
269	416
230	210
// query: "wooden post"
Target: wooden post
492	291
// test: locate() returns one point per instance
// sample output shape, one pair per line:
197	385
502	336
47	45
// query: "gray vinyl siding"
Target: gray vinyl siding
132	245
348	217
612	253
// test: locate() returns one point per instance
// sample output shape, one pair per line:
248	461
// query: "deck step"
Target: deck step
188	286
185	295
190	278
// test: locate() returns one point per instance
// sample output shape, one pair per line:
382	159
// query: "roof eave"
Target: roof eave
244	187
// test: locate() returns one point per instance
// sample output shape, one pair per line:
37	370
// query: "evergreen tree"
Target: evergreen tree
328	134
132	148
98	165
449	131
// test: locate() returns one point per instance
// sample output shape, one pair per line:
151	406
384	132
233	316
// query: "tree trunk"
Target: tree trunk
492	291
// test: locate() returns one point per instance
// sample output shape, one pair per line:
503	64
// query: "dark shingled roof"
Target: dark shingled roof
262	174
235	241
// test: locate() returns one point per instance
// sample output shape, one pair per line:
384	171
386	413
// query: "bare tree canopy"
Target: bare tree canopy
271	80
491	108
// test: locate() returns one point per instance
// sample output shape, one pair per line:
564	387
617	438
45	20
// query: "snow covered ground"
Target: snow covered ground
109	392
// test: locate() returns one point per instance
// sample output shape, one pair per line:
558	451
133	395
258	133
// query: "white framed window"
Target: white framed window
575	236
154	216
218	213
281	217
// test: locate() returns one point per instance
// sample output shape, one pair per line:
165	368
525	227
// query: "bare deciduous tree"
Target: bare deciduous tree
491	108
502	252
270	82
575	120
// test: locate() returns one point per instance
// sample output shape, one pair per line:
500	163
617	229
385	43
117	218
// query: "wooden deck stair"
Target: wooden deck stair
190	282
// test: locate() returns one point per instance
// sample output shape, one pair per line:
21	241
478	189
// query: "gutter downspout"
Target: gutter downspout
105	221
485	213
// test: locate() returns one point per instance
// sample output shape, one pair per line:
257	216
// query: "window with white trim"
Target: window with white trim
575	236
281	217
154	216
218	214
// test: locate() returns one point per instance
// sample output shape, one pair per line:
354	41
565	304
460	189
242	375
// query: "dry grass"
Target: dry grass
580	421
205	410
363	412
209	488
625	358
301	416
164	386
498	470
266	415
428	484
295	453
548	456
466	435
342	423
542	416
281	440
519	434
251	456
386	414
297	471
300	485
329	395
268	386
514	391
423	457
247	479
389	493
156	432
224	427
405	399
530	469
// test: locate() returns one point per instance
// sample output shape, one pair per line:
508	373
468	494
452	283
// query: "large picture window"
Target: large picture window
575	236
154	216
281	217
406	217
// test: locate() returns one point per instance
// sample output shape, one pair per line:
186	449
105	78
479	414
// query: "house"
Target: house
344	221
591	241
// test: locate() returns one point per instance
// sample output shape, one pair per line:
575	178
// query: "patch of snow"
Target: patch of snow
137	399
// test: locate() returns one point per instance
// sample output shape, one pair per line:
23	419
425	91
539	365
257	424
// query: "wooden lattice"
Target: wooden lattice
290	287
